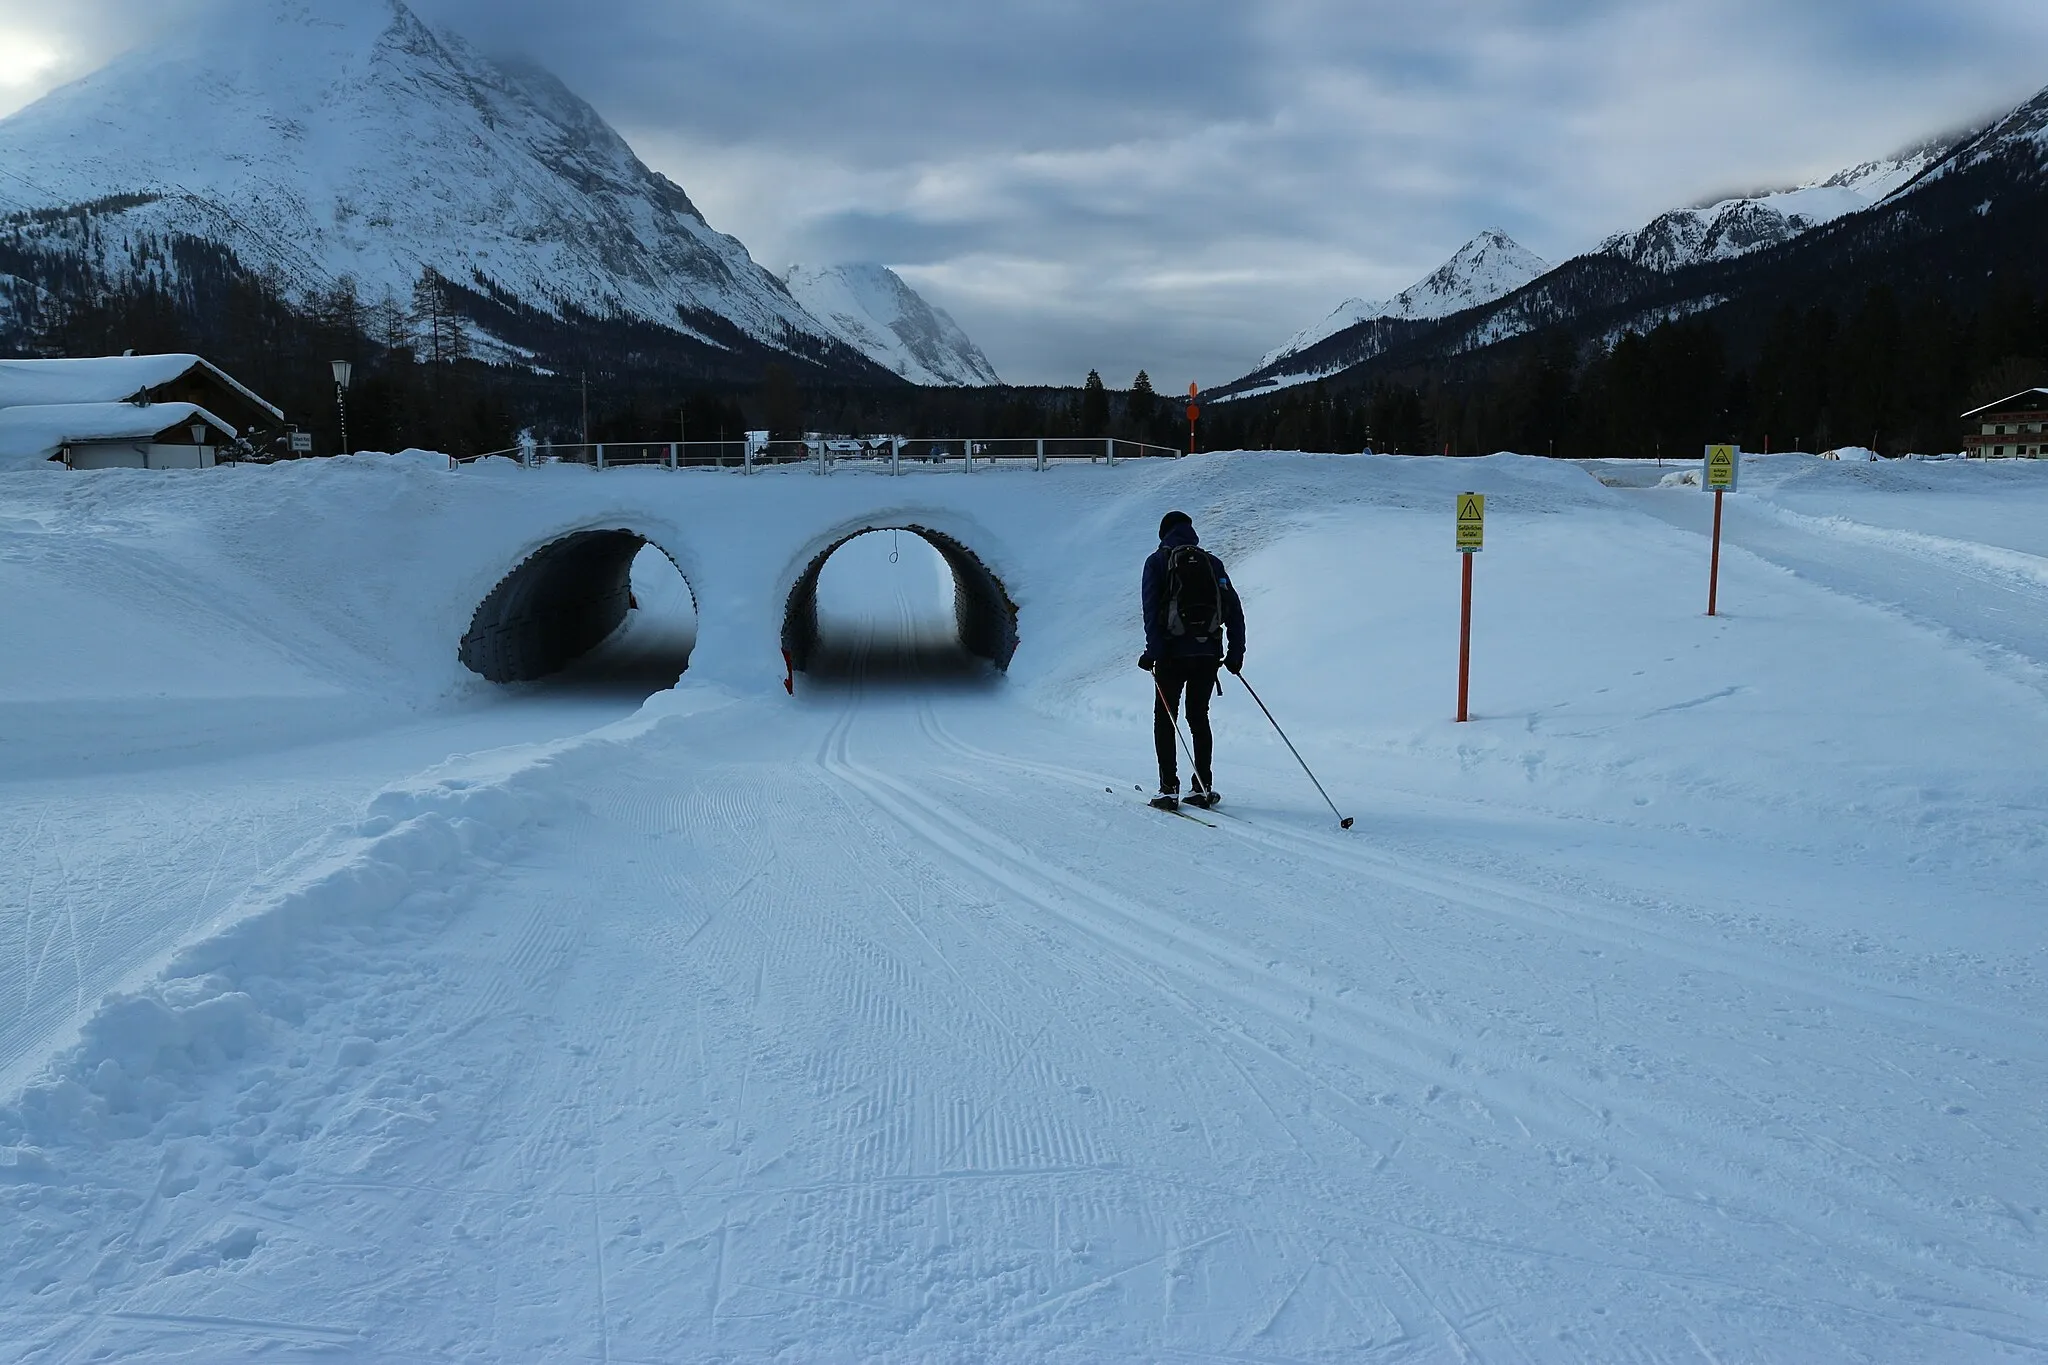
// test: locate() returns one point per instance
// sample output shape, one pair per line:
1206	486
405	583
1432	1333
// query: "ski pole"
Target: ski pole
1343	820
1160	692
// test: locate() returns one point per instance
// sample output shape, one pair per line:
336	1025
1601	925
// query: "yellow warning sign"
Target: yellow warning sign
1471	523
1724	467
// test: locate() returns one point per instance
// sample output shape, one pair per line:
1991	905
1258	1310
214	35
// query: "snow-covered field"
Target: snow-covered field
1687	1005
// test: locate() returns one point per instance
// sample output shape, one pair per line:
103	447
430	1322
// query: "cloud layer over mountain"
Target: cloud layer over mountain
1173	185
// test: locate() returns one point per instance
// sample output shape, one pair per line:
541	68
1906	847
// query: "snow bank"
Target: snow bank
140	1064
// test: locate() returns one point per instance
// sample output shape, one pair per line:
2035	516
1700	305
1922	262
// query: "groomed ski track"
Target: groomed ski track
888	1025
909	1068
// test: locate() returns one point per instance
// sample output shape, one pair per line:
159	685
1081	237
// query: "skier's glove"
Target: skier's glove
1235	663
1145	662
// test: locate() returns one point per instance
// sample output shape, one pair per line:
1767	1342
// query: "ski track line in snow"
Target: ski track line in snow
557	1152
1995	565
894	1103
970	1140
1664	1134
1518	901
1218	967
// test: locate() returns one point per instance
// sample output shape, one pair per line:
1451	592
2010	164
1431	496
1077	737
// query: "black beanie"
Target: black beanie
1173	519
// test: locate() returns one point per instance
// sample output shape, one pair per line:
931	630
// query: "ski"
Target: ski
1175	810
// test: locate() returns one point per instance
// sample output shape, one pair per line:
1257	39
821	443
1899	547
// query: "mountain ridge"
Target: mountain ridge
872	309
1734	226
1616	288
351	141
1490	265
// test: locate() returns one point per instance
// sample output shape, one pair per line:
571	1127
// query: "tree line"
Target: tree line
1891	372
1894	375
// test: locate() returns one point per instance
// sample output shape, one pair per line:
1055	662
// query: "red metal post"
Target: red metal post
1465	646
1714	574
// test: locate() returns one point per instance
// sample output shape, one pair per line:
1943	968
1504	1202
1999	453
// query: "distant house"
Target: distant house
2011	427
134	412
112	436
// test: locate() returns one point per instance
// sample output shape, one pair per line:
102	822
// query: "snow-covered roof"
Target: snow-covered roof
106	379
2038	398
31	436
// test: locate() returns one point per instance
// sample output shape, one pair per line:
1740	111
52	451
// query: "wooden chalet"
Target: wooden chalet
2015	427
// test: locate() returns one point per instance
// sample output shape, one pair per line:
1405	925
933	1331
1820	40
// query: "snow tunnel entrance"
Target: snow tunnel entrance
602	610
906	605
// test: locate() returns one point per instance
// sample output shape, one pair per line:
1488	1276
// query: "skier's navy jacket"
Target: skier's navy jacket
1161	645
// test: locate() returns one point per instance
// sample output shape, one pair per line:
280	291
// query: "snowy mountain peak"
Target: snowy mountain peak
349	138
1490	266
870	308
2024	129
1727	228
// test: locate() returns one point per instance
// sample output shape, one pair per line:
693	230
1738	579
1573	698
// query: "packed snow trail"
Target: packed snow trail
872	1043
1684	1007
1982	576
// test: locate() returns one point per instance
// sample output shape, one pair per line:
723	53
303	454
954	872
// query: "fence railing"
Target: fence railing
891	454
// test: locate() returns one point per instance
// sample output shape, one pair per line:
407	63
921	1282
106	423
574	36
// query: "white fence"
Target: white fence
826	453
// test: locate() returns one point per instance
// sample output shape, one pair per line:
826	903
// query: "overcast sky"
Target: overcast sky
1180	186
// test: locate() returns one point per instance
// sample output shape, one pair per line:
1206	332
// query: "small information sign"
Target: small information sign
302	443
1471	523
1724	468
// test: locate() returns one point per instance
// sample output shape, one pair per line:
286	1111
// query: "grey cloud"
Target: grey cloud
897	238
1179	184
877	80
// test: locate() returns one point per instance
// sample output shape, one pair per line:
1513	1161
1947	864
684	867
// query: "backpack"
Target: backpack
1194	602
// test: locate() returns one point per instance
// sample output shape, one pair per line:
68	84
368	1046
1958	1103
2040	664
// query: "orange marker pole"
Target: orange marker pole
1714	573
1465	647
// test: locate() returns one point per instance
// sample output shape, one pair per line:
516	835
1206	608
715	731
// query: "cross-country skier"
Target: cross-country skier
1188	604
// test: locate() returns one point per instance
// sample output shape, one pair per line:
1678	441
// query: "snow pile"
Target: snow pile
871	309
1490	266
138	1068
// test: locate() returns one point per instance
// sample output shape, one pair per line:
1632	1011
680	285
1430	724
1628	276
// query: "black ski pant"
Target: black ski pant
1196	678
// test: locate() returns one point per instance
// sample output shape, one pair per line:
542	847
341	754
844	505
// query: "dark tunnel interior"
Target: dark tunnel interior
550	615
979	647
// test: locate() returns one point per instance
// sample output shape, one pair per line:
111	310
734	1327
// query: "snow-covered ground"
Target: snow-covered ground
1686	1005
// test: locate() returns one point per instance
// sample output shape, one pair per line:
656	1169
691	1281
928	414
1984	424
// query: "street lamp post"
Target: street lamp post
343	372
198	430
